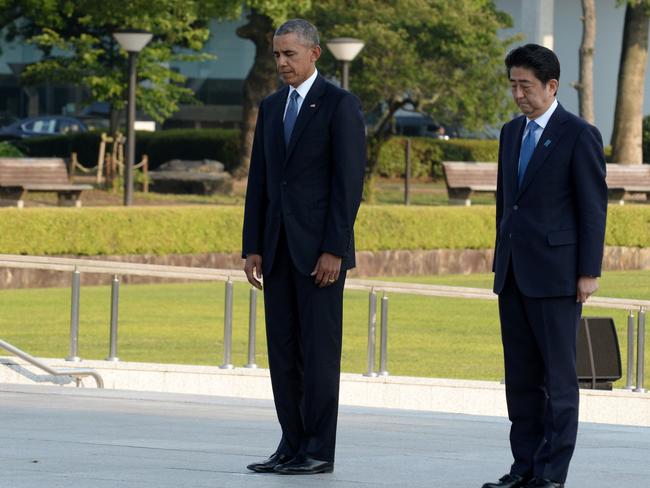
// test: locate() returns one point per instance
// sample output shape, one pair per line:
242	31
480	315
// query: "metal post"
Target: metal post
345	75
74	317
130	134
227	328
383	347
115	299
629	385
407	172
640	353
372	332
252	319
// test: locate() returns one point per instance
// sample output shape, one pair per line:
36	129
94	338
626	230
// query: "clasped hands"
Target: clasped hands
326	271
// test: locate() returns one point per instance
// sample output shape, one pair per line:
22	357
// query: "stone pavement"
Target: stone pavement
54	437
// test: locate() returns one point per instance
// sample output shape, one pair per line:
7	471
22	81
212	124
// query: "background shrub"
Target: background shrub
193	230
427	155
8	150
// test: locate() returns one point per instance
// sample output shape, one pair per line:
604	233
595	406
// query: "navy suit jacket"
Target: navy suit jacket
313	187
552	228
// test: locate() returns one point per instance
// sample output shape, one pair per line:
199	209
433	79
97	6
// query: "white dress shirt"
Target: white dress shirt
302	90
541	121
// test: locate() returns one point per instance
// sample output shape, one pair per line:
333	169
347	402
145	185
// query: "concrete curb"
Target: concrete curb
399	392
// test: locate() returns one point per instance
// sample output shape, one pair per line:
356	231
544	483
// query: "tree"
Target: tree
585	85
264	16
442	56
78	47
628	115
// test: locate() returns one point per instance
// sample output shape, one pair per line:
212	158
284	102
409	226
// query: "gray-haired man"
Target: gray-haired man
304	190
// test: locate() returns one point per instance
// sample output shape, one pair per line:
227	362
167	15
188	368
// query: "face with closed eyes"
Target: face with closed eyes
529	93
294	58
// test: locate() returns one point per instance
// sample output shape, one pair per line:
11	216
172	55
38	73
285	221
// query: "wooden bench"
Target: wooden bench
465	179
18	176
626	181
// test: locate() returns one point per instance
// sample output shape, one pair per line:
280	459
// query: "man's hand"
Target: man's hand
587	286
327	269
253	268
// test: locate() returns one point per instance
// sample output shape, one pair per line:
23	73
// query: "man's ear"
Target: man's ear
553	85
315	53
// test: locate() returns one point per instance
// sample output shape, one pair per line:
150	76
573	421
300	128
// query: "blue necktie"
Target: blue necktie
290	117
527	148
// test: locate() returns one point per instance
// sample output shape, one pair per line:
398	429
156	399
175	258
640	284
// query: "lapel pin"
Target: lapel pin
313	105
547	143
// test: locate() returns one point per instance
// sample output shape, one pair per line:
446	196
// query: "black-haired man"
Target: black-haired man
551	211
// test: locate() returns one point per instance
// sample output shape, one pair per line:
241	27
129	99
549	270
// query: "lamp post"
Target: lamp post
345	49
132	41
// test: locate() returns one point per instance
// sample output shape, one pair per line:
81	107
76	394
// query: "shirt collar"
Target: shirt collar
304	87
543	119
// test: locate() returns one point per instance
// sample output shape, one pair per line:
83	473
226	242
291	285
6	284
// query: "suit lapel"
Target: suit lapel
547	142
277	127
307	110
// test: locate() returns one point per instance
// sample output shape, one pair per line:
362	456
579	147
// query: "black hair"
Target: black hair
539	59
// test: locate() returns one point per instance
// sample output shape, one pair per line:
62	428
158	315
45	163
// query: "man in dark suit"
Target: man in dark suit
551	210
304	190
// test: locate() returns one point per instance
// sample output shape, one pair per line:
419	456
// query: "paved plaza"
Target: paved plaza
55	437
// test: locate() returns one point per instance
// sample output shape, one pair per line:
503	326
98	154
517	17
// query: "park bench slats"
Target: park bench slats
18	176
464	179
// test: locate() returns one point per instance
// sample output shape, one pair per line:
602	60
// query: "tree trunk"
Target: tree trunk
261	81
628	117
585	85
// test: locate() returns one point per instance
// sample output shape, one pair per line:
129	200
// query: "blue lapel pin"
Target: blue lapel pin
547	143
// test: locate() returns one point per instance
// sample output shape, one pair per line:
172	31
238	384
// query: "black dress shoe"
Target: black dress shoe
269	464
543	483
305	465
509	481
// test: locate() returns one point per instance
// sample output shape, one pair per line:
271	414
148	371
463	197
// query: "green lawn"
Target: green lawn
183	323
421	192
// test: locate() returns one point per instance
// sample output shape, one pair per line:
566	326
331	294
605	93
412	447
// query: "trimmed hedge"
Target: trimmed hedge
193	230
427	154
161	146
8	150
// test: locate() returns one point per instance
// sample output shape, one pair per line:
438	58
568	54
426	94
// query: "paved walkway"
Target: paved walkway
52	437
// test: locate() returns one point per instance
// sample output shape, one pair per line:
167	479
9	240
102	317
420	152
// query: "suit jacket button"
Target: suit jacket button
510	236
284	183
516	207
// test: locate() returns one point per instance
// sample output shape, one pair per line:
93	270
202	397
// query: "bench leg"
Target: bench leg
10	197
460	201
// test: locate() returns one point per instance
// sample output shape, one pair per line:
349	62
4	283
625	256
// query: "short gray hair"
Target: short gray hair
303	29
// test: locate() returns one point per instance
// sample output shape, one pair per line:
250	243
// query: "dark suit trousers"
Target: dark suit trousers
539	345
303	330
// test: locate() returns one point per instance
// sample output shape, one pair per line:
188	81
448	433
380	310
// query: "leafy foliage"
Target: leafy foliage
443	56
8	150
78	47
